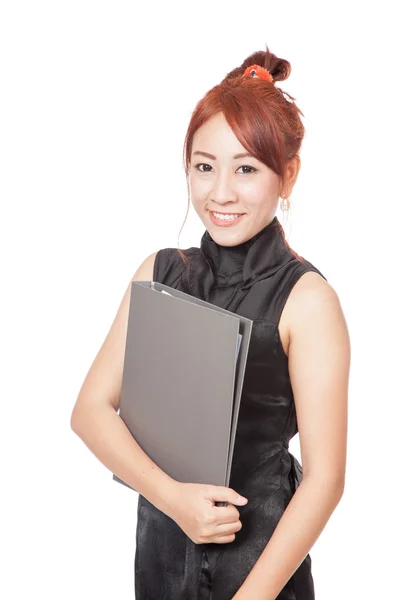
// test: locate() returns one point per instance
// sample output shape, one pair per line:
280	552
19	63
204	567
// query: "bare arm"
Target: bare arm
319	363
96	421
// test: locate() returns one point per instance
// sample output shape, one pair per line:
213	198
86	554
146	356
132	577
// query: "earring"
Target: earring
285	203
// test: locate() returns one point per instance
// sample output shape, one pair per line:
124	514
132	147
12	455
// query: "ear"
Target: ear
292	171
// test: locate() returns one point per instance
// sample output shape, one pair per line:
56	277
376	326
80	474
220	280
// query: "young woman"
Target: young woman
241	156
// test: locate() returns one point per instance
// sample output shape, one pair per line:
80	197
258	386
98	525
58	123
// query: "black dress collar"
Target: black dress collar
214	265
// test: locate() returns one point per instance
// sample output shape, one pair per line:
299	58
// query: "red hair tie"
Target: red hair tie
257	71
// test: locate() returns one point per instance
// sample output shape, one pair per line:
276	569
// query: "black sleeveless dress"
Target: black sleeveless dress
253	279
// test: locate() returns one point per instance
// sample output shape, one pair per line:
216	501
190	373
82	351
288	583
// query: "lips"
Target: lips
226	222
225	213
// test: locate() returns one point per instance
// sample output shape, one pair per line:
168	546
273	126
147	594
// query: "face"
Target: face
222	182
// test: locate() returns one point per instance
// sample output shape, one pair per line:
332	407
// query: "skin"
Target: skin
229	185
241	185
315	338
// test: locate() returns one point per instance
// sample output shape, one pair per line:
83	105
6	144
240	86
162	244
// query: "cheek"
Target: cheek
258	192
196	198
199	188
254	194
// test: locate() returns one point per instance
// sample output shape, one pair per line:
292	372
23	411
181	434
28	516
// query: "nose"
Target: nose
223	190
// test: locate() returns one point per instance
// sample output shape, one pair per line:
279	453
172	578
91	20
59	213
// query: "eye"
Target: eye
200	165
248	167
253	170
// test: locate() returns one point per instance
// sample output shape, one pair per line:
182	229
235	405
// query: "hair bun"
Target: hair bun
279	68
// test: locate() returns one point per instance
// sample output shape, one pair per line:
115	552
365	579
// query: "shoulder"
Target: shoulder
170	263
144	272
159	264
313	305
310	293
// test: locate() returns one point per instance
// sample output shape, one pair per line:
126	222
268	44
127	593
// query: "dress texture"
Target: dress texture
252	279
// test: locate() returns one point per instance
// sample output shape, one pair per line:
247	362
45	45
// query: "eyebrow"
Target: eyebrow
207	155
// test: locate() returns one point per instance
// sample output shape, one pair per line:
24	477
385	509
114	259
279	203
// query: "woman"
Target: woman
241	156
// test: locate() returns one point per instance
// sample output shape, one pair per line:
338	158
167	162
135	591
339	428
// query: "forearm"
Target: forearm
106	435
298	529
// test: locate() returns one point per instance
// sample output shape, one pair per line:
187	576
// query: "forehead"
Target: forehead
216	137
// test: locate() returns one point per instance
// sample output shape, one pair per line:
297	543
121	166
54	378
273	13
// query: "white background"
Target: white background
95	101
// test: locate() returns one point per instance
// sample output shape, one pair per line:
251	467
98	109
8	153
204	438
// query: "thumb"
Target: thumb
226	494
237	498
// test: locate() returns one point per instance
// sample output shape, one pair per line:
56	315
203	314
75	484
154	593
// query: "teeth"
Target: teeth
225	217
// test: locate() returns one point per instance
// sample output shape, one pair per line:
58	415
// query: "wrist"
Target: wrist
166	495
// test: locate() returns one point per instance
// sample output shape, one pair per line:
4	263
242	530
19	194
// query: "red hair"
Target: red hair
264	121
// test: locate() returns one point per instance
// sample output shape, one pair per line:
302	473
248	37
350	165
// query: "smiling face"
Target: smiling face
220	181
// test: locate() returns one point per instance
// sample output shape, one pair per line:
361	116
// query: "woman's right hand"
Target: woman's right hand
194	511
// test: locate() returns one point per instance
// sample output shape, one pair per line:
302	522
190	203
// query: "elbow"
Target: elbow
338	483
74	421
338	490
83	415
77	418
333	484
79	415
341	487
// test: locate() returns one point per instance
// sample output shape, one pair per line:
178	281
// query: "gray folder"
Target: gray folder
182	381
